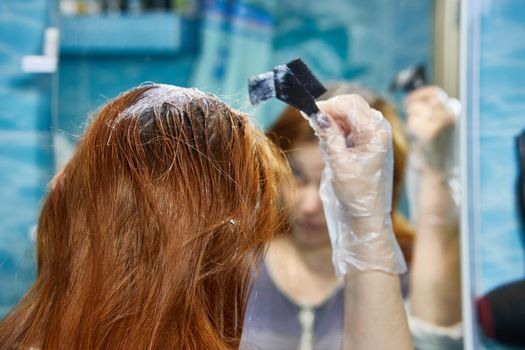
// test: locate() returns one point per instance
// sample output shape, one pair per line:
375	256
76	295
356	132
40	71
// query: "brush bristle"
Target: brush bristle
261	87
289	90
306	77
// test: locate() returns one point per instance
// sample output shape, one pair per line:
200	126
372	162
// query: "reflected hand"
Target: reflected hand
431	117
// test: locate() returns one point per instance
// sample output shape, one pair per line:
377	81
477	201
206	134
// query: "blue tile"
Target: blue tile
87	82
26	163
25	98
502	66
22	25
501	241
26	106
499	244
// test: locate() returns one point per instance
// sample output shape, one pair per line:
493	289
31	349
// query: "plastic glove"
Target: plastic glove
356	185
431	119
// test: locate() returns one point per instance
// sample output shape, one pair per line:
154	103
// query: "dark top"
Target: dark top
274	322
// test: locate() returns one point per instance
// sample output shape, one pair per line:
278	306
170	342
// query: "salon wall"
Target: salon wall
25	143
495	96
104	54
88	81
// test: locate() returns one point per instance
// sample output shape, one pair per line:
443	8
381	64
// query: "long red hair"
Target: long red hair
291	129
148	237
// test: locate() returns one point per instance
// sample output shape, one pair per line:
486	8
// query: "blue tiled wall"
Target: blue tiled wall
87	82
368	41
496	238
25	143
26	163
365	40
502	116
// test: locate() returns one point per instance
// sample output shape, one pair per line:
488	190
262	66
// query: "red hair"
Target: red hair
148	237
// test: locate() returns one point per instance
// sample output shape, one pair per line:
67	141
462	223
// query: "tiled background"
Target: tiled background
497	241
502	117
25	143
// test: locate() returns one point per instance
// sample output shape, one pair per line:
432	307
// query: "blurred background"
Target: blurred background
60	60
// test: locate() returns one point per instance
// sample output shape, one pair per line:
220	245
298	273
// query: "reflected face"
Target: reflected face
309	229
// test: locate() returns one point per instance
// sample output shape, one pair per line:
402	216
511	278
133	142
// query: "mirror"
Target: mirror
384	50
492	226
381	46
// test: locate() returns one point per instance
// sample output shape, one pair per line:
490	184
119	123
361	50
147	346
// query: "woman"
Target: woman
149	235
297	302
130	235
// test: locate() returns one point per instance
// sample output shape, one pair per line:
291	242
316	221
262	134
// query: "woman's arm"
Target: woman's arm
435	293
356	190
374	312
435	287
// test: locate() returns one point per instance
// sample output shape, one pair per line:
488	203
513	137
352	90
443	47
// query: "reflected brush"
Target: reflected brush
409	79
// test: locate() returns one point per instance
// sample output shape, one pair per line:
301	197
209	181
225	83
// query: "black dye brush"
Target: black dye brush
409	79
293	83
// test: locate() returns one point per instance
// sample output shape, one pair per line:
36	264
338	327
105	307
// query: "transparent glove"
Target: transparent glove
356	185
431	120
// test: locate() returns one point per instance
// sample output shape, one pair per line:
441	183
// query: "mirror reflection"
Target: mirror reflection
400	57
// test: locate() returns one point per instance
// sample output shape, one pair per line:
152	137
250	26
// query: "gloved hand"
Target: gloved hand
356	185
431	119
